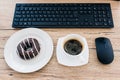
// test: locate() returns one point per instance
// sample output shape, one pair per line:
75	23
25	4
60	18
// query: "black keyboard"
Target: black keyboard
63	15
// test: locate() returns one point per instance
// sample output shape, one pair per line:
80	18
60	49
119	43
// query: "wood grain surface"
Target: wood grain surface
94	70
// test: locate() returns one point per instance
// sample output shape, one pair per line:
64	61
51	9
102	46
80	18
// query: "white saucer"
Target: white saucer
72	60
20	65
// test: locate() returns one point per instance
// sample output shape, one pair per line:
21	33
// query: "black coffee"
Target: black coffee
73	47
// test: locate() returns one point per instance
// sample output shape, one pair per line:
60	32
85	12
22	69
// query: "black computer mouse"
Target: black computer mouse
104	50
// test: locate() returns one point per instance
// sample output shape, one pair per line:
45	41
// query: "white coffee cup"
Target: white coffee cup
67	59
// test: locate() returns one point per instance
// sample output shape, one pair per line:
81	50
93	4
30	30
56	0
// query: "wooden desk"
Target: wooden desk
94	70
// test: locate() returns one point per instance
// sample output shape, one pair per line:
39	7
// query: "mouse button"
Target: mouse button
108	44
101	40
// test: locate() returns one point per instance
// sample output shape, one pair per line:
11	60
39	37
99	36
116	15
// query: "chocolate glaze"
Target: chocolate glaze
28	48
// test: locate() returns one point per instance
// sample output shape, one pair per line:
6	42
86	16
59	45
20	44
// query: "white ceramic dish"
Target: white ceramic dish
20	65
72	60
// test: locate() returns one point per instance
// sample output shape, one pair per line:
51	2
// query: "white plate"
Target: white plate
20	65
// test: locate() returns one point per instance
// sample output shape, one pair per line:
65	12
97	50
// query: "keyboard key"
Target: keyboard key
20	23
15	23
16	19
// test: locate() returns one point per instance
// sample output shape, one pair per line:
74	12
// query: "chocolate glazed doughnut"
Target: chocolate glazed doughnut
28	48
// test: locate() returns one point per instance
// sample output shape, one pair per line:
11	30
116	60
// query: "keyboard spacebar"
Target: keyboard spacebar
44	23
